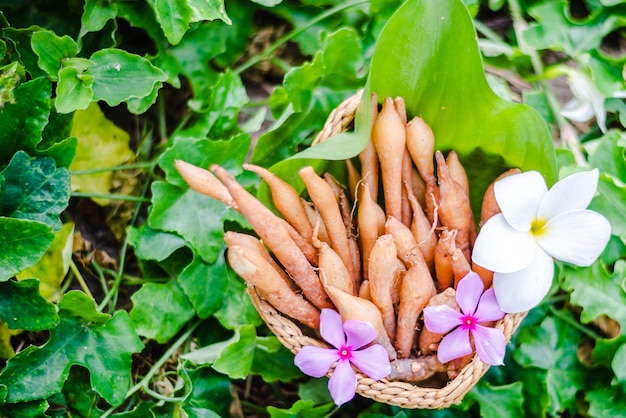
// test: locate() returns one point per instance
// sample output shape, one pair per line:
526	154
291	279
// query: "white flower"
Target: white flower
588	100
535	226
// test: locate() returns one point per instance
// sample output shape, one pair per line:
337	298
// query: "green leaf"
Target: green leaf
196	218
21	38
273	361
619	363
22	123
160	310
101	343
101	144
609	155
174	17
119	76
6	349
597	291
237	309
153	244
22	307
556	30
607	402
74	90
78	397
222	105
498	401
210	393
22	243
230	154
52	50
95	15
34	188
437	69
611	203
208	10
235	360
301	409
34	409
52	268
309	94
552	346
204	284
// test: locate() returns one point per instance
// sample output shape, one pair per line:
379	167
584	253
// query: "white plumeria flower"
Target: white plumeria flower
535	226
588	101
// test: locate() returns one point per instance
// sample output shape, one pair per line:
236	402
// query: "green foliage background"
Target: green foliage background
99	98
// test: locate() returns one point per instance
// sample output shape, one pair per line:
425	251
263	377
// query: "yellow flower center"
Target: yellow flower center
538	227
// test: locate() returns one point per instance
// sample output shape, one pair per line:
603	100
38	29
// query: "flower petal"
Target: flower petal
315	361
488	308
490	345
519	197
501	248
441	318
342	383
571	193
454	345
373	361
468	292
577	111
358	333
576	237
331	328
524	289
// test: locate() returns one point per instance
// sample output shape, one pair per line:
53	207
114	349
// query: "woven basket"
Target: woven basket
405	395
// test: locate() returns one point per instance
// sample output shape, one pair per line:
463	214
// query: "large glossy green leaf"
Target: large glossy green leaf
428	54
99	342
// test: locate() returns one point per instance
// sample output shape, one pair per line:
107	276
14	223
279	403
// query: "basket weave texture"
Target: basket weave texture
402	394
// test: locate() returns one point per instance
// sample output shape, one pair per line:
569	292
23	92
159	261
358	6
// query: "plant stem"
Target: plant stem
114	168
120	271
142	384
140	199
286	38
571	321
567	132
80	279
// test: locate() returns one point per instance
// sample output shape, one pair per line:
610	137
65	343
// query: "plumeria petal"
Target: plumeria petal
441	318
571	193
577	111
490	345
468	292
342	383
373	361
488	308
315	361
524	289
358	333
499	247
576	237
454	345
331	328
519	197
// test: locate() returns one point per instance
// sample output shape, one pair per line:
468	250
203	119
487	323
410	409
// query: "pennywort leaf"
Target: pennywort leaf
101	343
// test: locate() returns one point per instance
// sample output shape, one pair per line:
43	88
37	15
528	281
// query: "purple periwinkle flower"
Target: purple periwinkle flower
476	308
348	340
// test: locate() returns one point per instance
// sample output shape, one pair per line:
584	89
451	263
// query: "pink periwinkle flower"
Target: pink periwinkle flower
476	308
348	340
